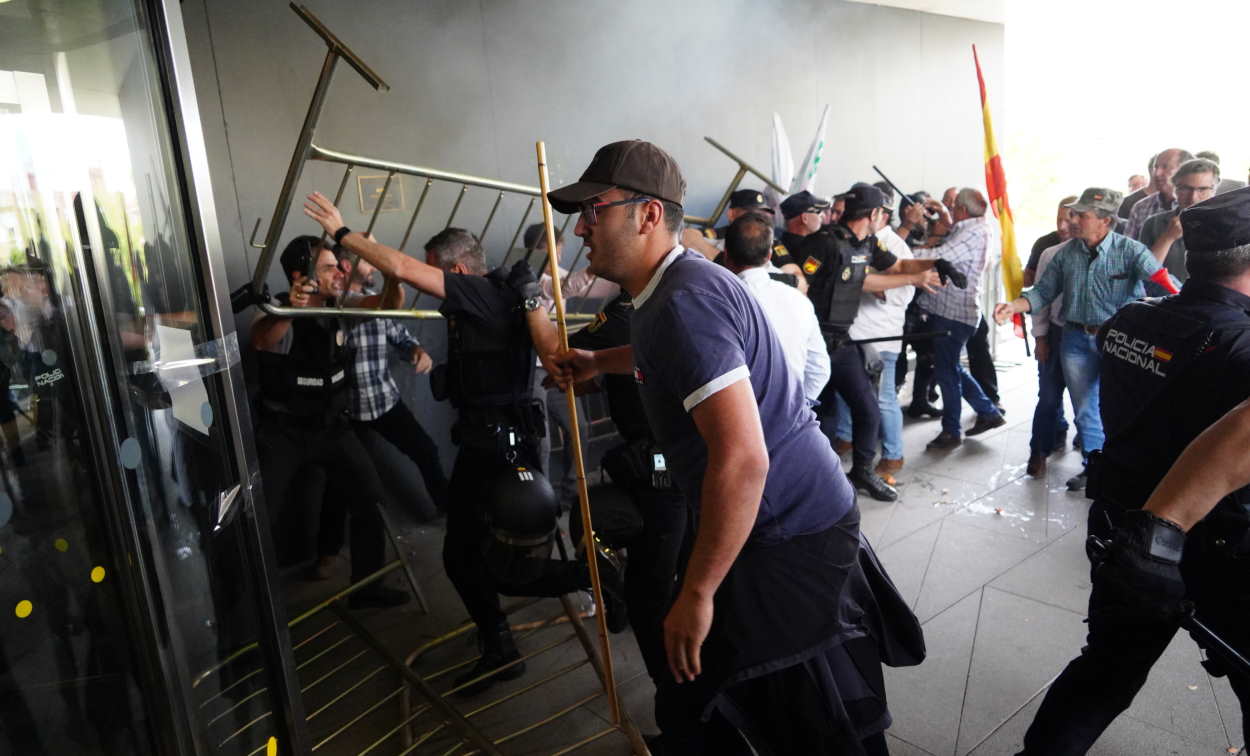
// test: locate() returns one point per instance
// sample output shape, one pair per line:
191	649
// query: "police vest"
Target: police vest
312	379
837	280
1144	350
489	367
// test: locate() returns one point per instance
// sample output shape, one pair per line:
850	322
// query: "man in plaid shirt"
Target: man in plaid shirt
375	401
958	312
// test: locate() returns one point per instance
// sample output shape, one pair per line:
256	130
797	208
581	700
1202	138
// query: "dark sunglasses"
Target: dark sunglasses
590	210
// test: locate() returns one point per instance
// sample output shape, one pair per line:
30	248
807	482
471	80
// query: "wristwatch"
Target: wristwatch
531	303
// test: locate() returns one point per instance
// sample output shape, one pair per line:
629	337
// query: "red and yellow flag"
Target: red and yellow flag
996	189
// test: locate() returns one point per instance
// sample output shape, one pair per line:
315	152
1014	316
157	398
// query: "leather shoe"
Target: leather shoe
923	409
841	447
1037	466
887	467
378	597
986	423
945	440
1077	482
867	480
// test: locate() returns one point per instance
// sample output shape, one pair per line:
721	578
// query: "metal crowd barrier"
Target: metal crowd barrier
346	662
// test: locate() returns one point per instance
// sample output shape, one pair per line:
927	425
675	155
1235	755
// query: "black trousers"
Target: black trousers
849	379
472	481
284	448
1101	683
651	571
398	426
981	362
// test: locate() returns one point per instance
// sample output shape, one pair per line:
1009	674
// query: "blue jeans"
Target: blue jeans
1048	419
1080	371
954	380
891	413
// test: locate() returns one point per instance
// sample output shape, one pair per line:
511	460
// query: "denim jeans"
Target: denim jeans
954	380
1080	371
891	413
1048	419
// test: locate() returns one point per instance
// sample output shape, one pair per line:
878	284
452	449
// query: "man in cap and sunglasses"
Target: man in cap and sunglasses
758	605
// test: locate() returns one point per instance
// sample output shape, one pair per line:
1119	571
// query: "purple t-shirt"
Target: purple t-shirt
696	330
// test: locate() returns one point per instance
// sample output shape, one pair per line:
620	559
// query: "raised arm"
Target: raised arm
392	262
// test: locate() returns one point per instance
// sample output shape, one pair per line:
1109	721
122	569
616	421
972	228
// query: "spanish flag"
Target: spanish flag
996	186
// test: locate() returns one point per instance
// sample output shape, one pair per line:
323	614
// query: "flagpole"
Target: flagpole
575	440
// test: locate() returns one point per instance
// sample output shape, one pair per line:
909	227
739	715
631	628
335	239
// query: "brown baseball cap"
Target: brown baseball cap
632	164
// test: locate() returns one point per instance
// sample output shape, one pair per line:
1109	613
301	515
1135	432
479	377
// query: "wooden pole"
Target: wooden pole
583	495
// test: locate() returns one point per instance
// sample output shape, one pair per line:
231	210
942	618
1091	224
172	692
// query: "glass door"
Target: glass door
136	589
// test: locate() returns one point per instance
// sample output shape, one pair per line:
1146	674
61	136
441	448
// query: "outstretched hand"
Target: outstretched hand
319	207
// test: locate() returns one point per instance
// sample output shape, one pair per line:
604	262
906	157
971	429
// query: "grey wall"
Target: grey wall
476	82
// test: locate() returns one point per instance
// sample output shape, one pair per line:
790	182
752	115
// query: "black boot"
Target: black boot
498	650
612	579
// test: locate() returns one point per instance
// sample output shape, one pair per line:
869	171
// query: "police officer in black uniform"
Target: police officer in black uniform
836	263
1170	368
803	214
501	516
710	242
304	364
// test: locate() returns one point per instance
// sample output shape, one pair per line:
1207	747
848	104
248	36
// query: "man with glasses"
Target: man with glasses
756	620
1196	180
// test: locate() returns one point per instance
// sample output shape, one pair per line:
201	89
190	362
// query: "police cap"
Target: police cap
748	199
1222	222
802	202
862	196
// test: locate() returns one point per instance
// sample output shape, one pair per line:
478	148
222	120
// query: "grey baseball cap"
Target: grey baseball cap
1097	198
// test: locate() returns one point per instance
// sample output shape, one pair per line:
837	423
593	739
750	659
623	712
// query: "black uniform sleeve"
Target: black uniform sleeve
479	297
815	252
882	258
609	329
781	255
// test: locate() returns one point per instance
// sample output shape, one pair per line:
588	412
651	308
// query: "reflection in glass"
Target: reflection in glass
108	432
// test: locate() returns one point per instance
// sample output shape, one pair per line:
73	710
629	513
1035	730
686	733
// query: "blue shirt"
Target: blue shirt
696	330
1093	289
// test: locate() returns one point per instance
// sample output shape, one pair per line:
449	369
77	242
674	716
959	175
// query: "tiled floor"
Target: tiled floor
993	564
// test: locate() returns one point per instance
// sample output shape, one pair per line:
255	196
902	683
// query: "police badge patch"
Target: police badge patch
846	274
811	265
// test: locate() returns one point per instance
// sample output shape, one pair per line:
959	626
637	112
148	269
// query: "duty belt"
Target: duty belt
1092	330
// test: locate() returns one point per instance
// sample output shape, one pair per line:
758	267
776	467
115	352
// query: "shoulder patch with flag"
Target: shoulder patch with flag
779	250
709	233
811	265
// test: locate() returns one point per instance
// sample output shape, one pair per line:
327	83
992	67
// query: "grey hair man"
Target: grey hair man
1195	181
958	312
1165	165
1226	184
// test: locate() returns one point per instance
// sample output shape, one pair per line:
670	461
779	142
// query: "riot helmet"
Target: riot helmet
521	514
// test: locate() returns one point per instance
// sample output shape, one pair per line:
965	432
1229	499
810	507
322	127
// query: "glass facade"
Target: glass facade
128	559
